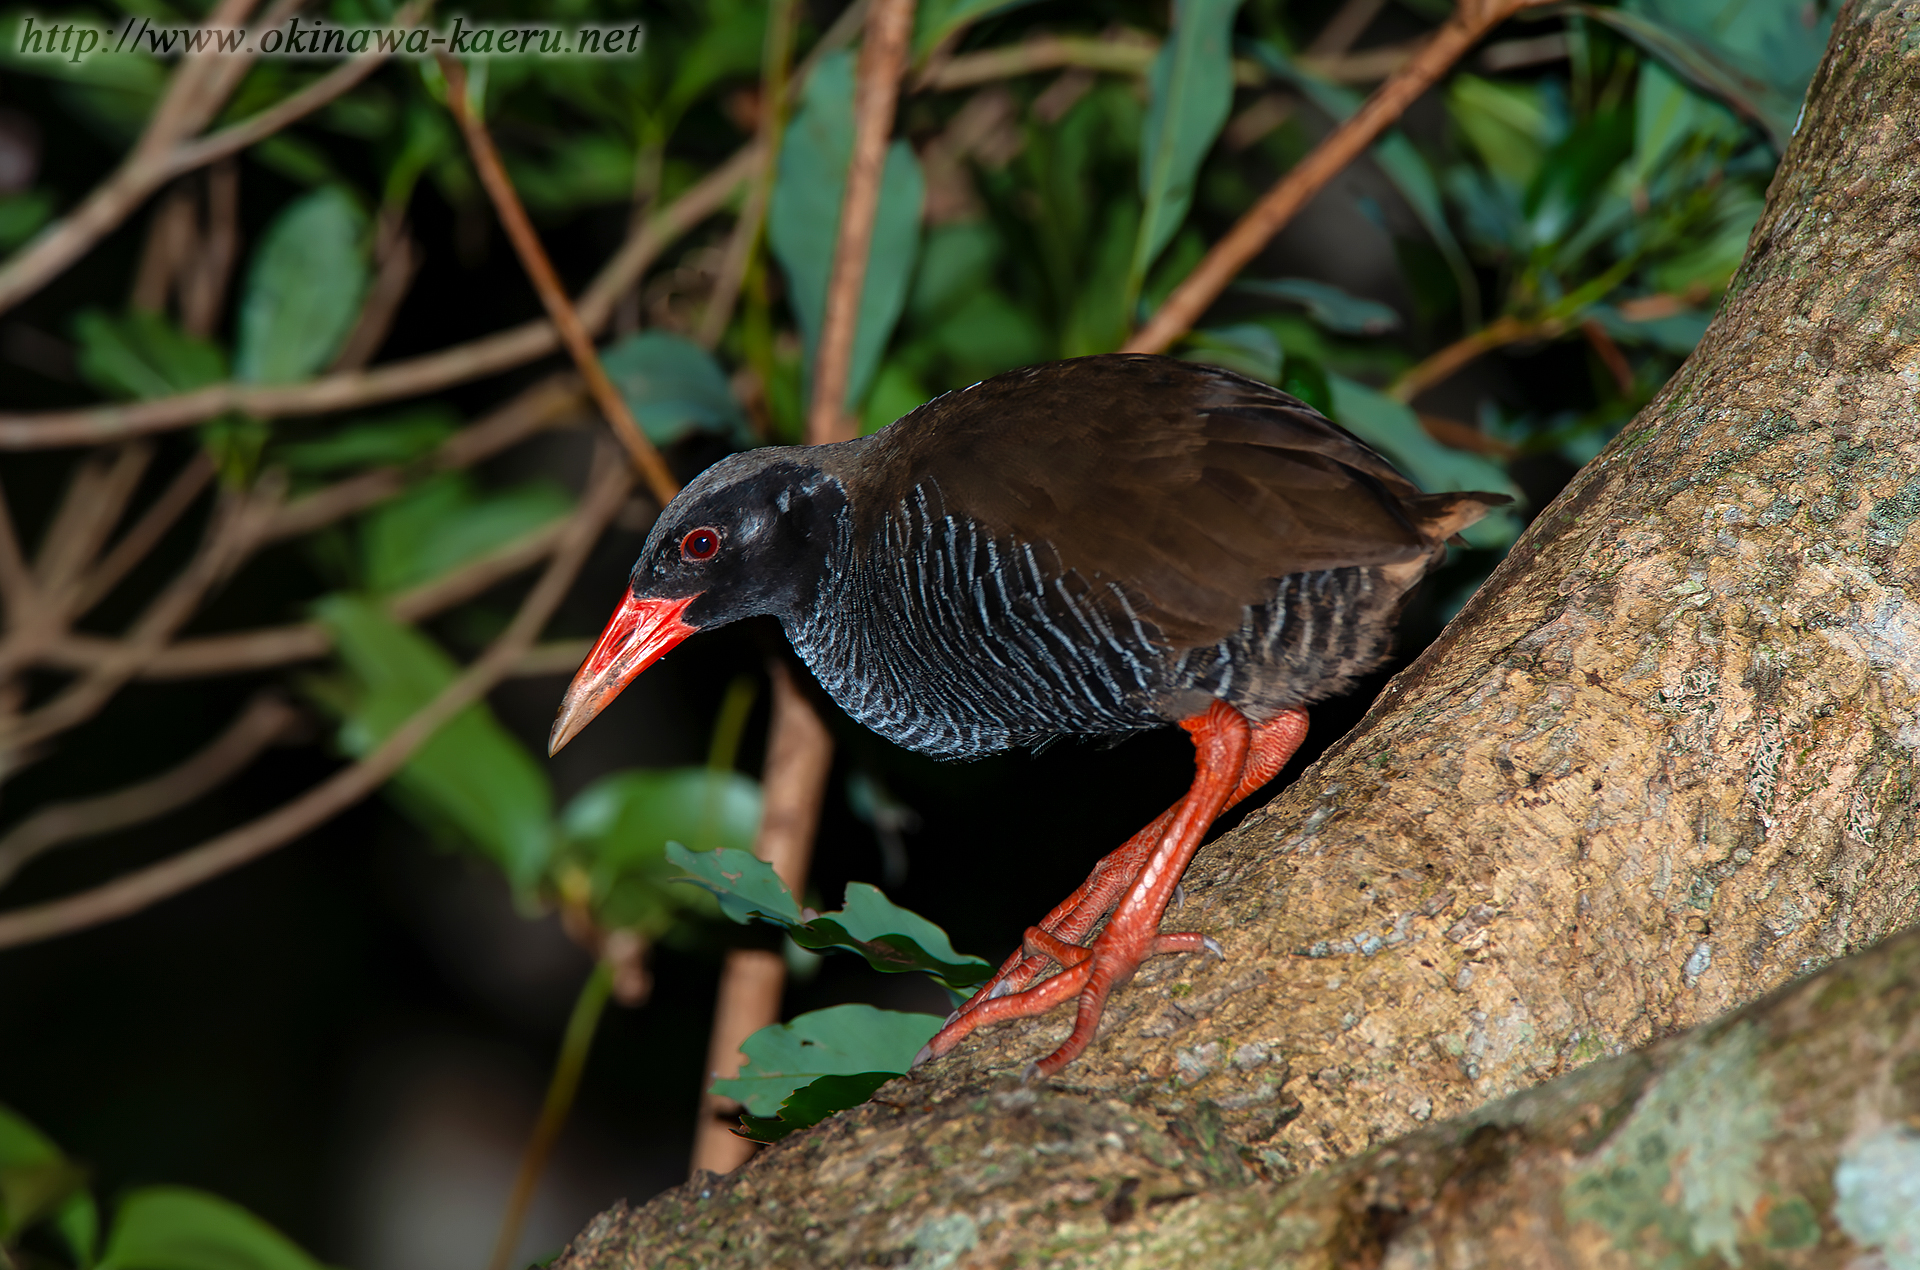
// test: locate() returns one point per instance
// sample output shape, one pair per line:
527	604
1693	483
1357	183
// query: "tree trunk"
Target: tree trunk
1663	764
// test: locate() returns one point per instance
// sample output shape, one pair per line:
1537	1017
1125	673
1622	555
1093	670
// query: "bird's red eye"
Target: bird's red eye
700	544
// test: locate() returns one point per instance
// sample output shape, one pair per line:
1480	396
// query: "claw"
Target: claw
1212	945
926	1051
1179	895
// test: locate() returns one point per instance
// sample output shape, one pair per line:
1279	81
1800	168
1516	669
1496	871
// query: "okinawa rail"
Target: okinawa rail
1090	547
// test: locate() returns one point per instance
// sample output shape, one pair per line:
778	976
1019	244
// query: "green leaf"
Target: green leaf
143	355
935	20
1676	333
808	1105
1392	428
891	938
804	220
303	289
1574	171
1327	304
1667	116
1510	125
1190	91
39	1184
620	826
582	171
178	1228
1098	320
114	95
896	391
382	441
472	778
746	885
675	388
443	522
1757	56
844	1040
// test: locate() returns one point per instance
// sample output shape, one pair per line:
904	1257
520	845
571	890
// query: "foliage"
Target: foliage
1583	213
153	1228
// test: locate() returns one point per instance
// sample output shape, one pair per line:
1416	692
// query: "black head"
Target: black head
750	535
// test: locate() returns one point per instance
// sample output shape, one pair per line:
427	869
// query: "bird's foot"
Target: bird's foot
1090	973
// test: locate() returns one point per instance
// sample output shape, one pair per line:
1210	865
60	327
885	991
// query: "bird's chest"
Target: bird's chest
949	640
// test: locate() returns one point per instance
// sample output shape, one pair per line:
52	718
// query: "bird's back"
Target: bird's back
1096	545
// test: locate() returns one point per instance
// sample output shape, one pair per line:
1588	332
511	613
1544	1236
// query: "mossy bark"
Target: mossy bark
1663	764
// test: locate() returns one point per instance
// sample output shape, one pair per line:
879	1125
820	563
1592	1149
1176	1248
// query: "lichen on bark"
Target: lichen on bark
1663	764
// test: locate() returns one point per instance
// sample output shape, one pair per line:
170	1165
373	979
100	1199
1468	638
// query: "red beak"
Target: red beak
640	634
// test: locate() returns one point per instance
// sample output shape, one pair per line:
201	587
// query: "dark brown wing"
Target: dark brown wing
1193	487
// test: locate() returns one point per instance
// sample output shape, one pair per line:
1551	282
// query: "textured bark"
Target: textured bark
1663	764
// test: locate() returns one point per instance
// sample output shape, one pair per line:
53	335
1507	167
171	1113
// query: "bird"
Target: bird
1091	548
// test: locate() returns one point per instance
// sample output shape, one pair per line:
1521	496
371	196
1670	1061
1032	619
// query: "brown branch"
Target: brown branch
16	580
266	719
232	535
883	57
1471	20
246	652
144	887
1443	364
489	355
133	547
203	288
399	261
1131	53
539	269
775	79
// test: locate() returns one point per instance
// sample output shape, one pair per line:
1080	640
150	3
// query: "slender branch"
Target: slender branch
16	580
883	57
1443	364
153	524
575	1045
1471	20
246	652
399	261
144	887
540	271
266	719
229	539
1133	54
489	355
782	19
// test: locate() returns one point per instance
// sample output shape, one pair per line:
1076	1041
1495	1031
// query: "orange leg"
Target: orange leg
1232	759
1274	742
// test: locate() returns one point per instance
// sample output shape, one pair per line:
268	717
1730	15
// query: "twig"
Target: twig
883	58
203	288
16	582
575	1045
1444	363
539	269
161	155
415	377
143	887
398	262
133	547
266	719
1133	54
1348	23
782	18
229	539
169	245
793	783
1610	355
246	652
1470	21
